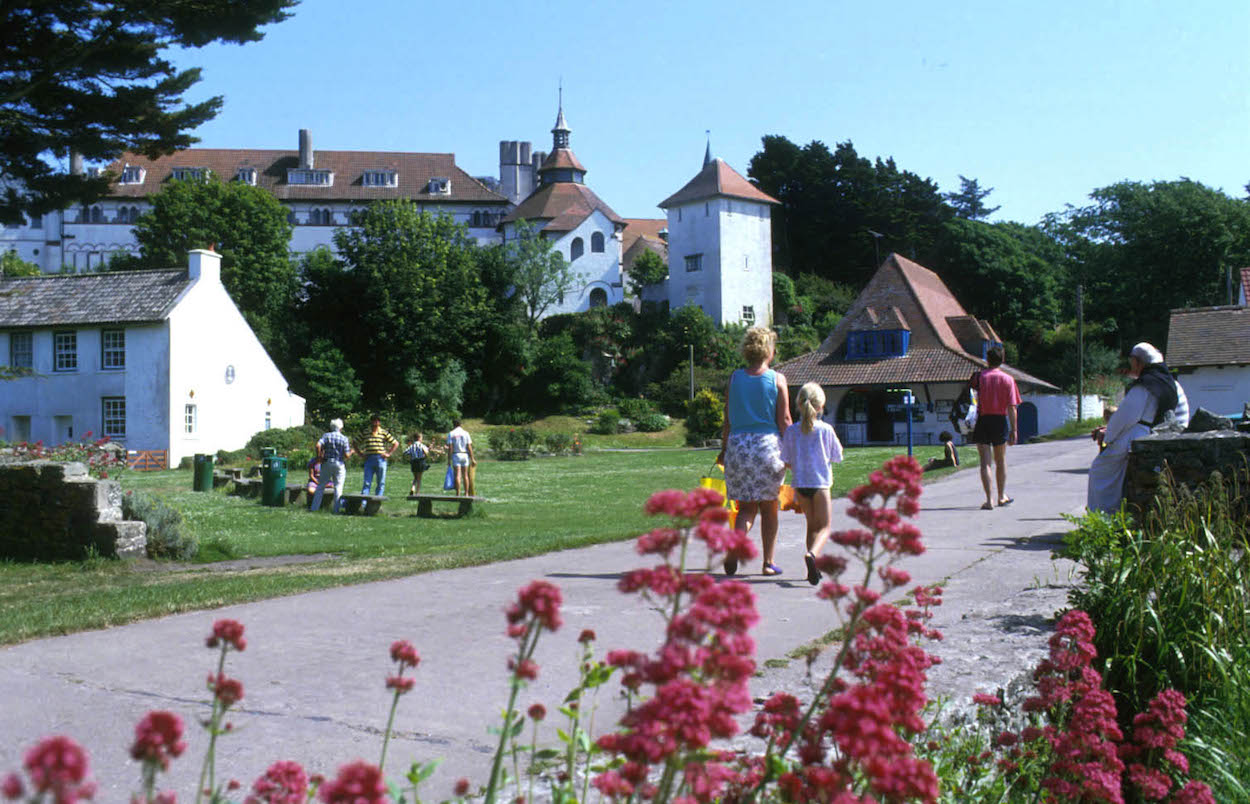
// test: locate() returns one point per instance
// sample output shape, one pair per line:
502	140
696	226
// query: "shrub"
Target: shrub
652	422
635	408
608	422
558	443
704	416
510	417
512	443
673	393
284	439
167	538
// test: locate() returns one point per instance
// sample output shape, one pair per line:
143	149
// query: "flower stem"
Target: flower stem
390	721
527	649
209	768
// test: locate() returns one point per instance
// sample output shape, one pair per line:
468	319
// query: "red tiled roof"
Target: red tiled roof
648	228
717	178
414	173
921	300
563	205
1209	336
1245	283
561	158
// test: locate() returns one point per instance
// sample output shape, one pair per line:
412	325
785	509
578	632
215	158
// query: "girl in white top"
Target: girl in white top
809	447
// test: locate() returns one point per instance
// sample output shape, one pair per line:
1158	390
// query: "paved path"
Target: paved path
315	663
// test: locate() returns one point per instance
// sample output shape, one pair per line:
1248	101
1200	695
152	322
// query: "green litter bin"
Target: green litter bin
203	473
273	481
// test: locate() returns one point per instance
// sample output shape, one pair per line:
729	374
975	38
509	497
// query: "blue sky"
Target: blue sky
1042	101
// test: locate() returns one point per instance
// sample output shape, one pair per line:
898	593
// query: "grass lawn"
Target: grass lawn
534	507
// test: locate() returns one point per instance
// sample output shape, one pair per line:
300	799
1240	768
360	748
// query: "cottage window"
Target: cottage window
596	242
694	262
21	429
113	349
132	174
380	178
21	350
877	344
113	416
748	314
189	419
65	351
577	248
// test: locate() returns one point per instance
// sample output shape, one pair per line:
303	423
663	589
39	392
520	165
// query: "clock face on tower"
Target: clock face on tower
229	374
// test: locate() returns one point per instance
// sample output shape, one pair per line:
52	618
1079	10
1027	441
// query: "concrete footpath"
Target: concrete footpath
315	665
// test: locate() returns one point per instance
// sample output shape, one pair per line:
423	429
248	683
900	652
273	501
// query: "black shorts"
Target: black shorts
807	494
991	429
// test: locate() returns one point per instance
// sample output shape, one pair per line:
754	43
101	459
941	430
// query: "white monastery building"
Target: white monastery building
160	361
720	252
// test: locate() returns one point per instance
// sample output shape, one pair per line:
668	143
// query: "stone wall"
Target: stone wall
56	511
1191	457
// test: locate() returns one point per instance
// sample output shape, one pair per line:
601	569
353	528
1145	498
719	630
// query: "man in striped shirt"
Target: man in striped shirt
333	449
377	447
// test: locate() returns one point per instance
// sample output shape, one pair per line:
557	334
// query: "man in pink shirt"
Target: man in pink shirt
997	398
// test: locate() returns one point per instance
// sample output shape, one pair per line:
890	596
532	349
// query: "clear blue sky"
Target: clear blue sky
1043	102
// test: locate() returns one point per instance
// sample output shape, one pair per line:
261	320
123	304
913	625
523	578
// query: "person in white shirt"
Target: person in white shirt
460	456
1149	399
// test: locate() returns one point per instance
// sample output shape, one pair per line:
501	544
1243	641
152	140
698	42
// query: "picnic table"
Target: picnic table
425	503
367	504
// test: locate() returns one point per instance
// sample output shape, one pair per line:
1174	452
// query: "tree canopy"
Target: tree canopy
245	224
969	202
540	274
87	76
648	269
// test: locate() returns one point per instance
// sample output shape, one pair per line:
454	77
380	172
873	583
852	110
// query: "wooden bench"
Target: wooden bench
425	503
246	487
367	504
293	490
221	478
231	472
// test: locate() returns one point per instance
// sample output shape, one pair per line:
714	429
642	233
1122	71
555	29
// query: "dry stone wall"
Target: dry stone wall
1191	457
55	511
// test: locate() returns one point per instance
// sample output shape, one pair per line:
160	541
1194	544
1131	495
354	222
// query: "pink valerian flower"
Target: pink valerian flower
228	691
1194	792
283	782
586	636
158	738
537	711
357	783
11	788
405	654
229	632
984	699
461	788
527	668
400	684
540	600
59	766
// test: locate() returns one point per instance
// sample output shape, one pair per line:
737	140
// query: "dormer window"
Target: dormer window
187	173
310	176
132	174
246	175
440	185
380	178
876	344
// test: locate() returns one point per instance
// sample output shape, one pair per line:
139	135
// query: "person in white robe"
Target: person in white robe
1132	420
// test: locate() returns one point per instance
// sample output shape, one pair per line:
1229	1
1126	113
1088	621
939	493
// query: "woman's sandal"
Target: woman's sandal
987	507
813	574
771	569
731	565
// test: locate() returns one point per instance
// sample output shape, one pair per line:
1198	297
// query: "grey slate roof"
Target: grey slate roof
119	297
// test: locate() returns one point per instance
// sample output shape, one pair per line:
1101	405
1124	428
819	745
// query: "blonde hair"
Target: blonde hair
757	344
811	403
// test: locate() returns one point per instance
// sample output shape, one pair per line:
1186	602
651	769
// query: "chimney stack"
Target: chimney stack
75	164
204	265
305	149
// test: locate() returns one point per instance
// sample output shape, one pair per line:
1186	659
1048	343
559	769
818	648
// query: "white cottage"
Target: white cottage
160	361
720	253
1209	348
584	229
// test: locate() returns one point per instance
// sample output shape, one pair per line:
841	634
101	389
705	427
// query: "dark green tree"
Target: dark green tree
88	76
1144	249
969	202
247	226
405	298
331	388
649	268
13	265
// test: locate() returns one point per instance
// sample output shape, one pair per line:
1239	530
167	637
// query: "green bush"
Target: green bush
673	394
509	417
634	409
652	422
284	439
558	443
608	422
167	538
705	416
512	443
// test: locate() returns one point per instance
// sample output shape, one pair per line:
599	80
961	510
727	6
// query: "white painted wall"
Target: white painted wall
1056	410
694	229
734	236
209	342
593	269
1219	389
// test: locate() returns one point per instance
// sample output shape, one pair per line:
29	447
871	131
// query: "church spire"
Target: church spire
707	155
560	134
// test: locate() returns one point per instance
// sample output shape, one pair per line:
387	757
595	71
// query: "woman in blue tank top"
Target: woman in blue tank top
757	412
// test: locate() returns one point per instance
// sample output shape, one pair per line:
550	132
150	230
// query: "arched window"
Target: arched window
134	214
477	218
97	215
123	214
576	249
596	242
598	298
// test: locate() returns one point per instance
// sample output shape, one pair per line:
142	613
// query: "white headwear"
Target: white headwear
336	424
1146	354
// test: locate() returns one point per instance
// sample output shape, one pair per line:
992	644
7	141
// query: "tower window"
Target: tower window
694	262
576	249
596	242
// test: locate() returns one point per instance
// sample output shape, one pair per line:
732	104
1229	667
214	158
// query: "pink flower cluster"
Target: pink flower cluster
405	656
57	767
356	783
540	601
158	738
228	633
1086	748
283	782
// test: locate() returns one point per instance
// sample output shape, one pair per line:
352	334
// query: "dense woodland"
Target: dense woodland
414	317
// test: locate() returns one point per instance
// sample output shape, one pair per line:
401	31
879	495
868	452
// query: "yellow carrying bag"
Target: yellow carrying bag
710	481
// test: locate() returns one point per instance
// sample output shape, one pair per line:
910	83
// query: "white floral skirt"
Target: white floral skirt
753	467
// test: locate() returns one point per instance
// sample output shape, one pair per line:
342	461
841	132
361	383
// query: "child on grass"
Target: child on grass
950	457
418	459
808	447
